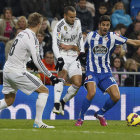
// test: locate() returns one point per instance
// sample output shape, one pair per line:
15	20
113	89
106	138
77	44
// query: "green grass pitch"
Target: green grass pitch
65	130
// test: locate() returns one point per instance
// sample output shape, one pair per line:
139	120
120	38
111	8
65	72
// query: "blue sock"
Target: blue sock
108	105
85	105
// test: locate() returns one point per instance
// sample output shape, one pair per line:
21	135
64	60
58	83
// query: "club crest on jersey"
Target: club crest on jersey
106	38
100	50
65	28
117	34
88	77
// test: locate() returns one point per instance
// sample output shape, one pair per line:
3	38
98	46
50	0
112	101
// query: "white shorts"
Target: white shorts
25	81
72	66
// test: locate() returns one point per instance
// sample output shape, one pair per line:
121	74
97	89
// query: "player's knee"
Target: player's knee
77	84
42	89
90	95
116	97
9	101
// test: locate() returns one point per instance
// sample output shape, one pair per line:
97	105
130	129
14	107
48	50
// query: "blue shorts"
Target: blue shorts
102	80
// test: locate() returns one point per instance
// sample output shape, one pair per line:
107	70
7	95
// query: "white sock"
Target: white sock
40	105
72	90
3	104
58	89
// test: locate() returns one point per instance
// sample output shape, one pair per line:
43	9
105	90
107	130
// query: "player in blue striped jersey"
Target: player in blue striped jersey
100	45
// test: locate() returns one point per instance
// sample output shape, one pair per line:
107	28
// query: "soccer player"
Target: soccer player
15	75
67	44
100	45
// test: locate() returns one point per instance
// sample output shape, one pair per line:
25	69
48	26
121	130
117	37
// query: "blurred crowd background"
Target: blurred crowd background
125	18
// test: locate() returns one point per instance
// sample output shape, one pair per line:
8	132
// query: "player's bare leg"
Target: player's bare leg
114	98
72	90
7	101
58	89
40	105
91	88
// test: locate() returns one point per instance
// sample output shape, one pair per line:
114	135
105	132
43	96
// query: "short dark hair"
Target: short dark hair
104	18
34	19
48	52
103	4
41	32
69	8
120	26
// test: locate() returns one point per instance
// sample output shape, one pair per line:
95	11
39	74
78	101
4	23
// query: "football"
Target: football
133	119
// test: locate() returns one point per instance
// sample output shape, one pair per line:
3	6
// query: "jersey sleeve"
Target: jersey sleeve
56	41
87	40
86	43
119	39
33	48
80	38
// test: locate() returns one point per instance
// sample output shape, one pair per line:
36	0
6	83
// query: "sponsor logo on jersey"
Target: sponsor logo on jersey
100	50
70	39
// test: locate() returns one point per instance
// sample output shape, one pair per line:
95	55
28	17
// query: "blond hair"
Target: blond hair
128	64
20	18
116	5
34	19
48	26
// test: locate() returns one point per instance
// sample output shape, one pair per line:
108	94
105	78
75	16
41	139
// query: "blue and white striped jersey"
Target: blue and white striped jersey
100	49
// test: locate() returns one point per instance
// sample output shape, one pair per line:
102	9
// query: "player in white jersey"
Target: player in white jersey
100	45
67	44
15	75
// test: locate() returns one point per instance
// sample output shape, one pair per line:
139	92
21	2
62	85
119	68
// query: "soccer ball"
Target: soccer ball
133	119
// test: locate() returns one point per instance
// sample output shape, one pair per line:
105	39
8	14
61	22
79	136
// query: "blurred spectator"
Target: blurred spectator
48	37
102	10
6	25
120	29
21	23
133	35
10	42
132	80
90	6
42	45
118	67
118	52
136	55
49	63
136	22
119	15
85	16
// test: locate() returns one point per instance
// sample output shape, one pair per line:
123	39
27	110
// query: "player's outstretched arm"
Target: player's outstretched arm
133	42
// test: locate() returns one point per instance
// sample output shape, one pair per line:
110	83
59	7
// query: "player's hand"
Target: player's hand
82	58
31	65
54	80
60	63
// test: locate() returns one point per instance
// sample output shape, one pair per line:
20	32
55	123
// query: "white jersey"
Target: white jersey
68	35
25	45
